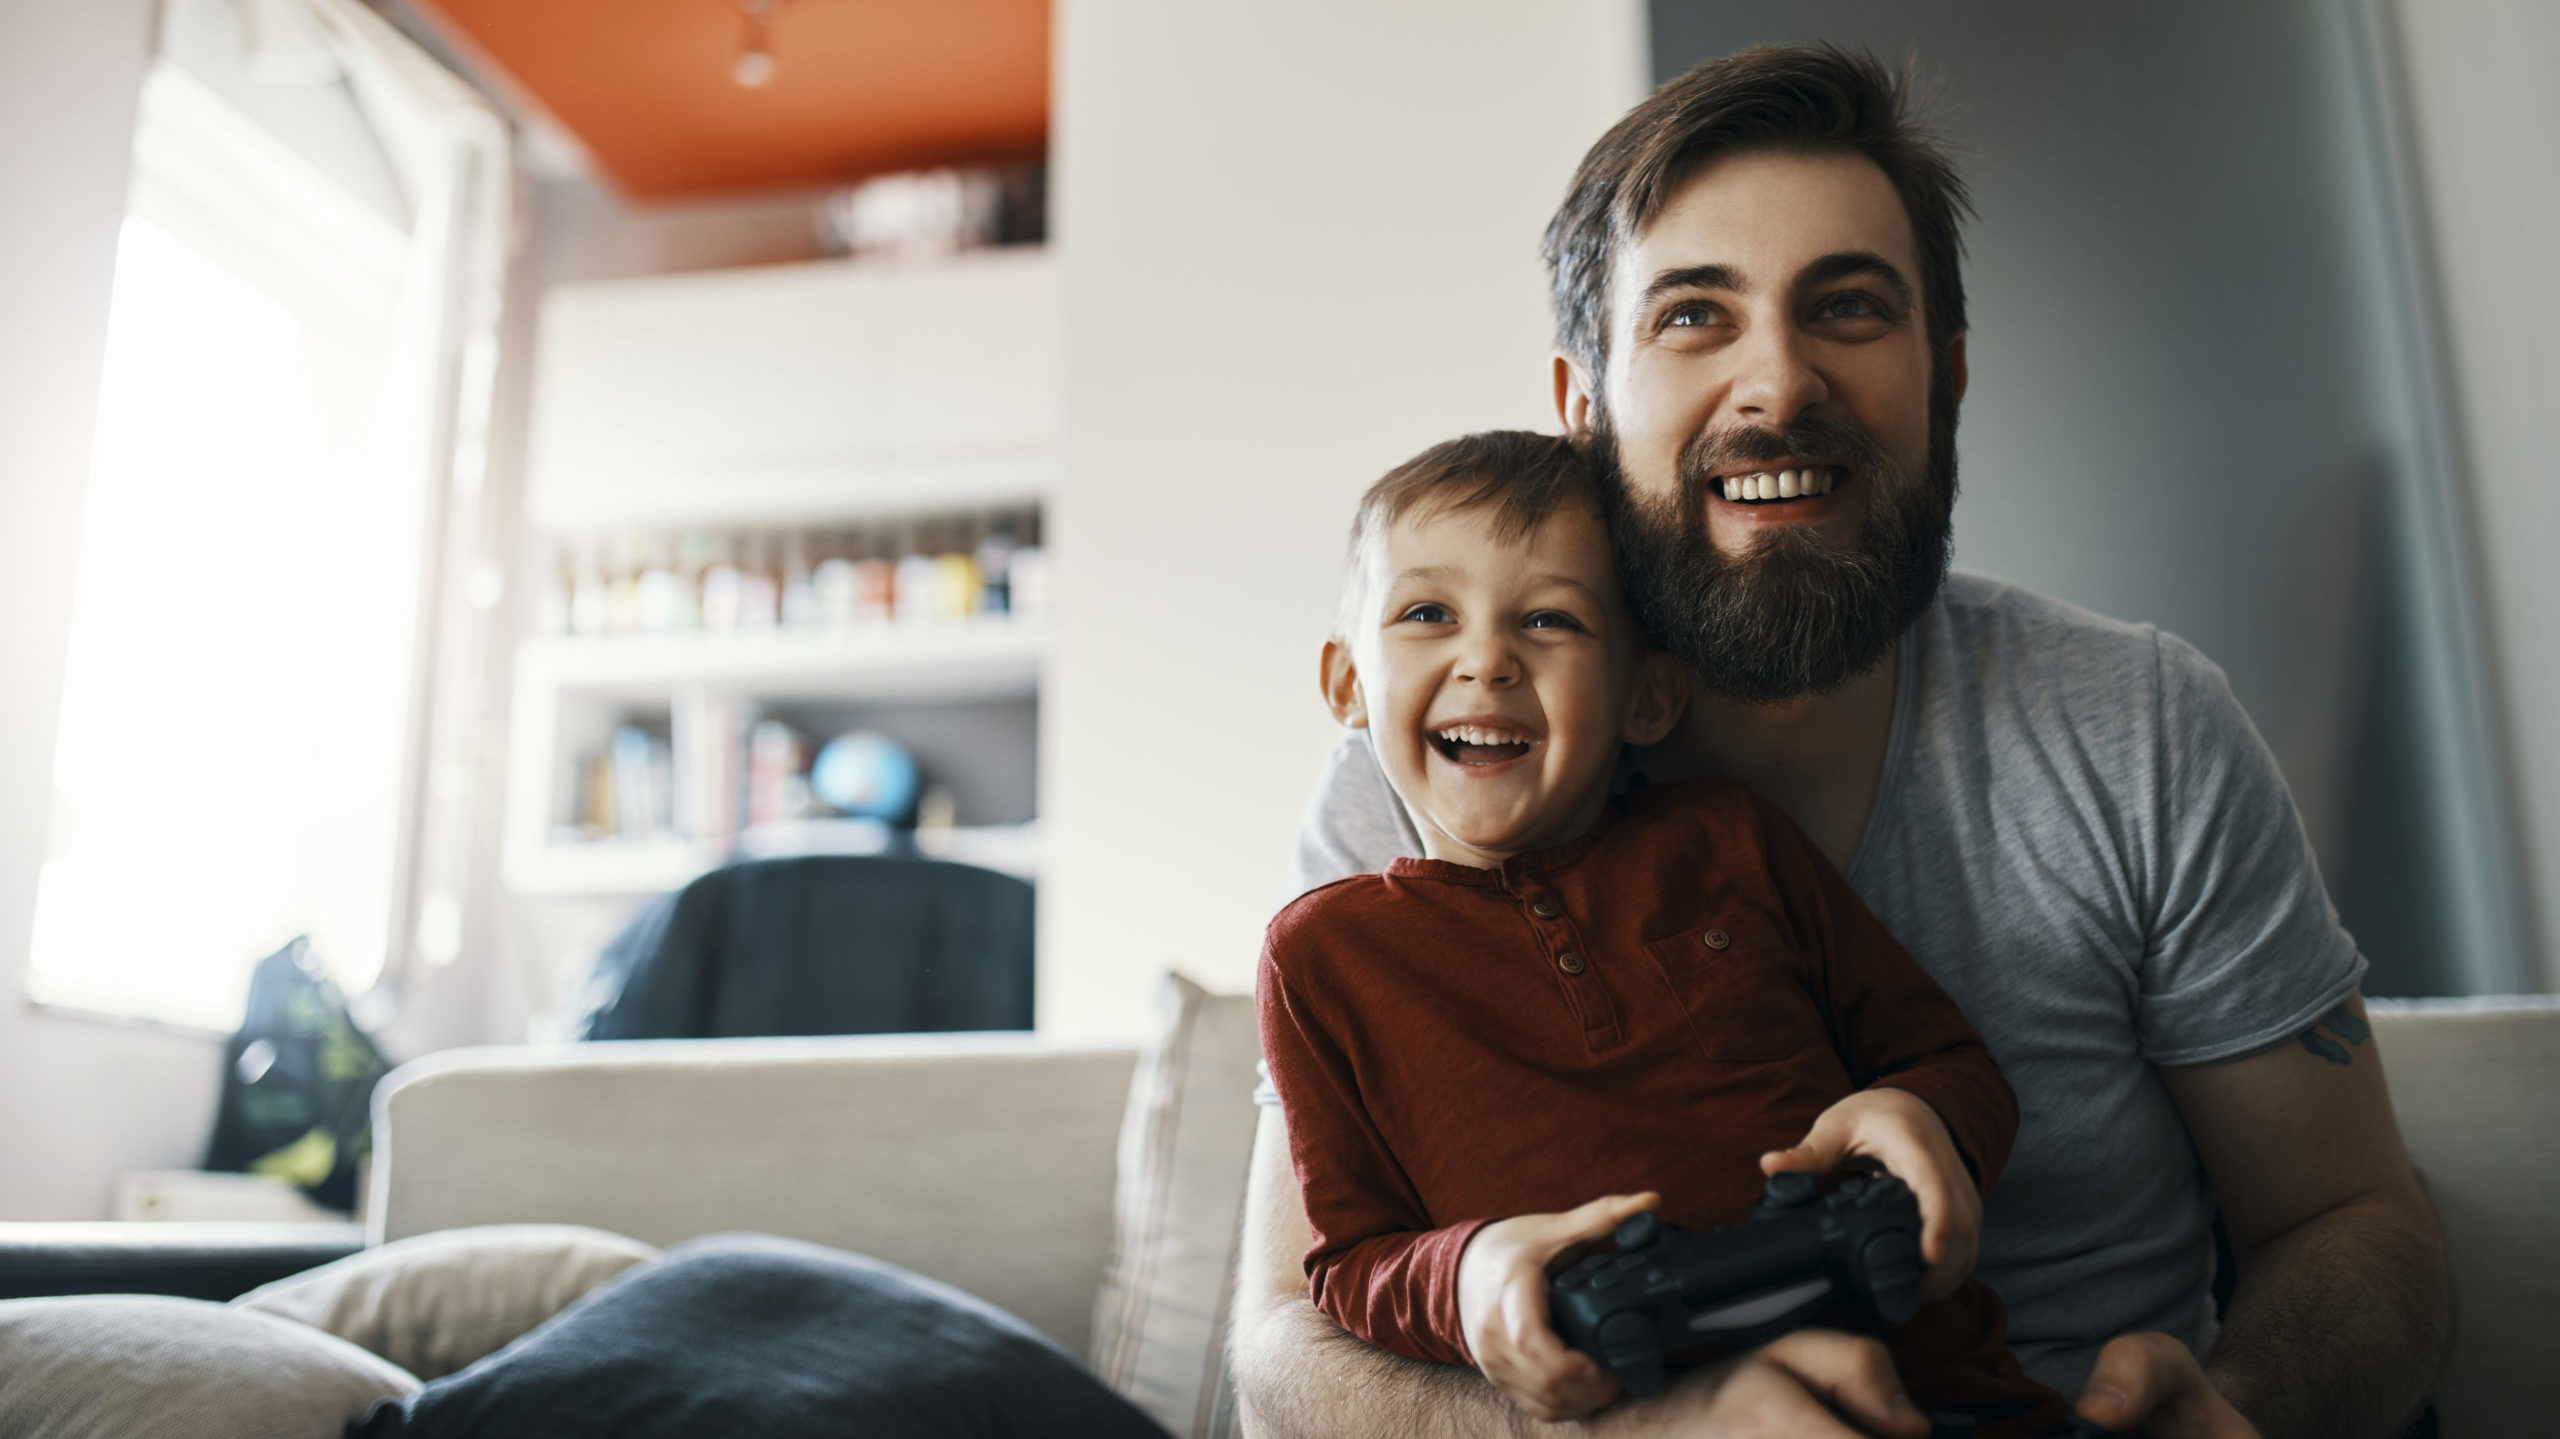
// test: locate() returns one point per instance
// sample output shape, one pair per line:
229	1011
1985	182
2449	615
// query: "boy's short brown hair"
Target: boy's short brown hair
1522	476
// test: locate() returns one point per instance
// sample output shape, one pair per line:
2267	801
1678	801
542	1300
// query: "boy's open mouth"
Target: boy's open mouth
1479	744
1775	486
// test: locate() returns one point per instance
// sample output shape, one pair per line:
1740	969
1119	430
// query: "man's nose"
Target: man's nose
1775	379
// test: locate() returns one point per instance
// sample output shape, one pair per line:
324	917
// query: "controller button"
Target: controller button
1790	1189
1630	1261
1718	939
1608	1279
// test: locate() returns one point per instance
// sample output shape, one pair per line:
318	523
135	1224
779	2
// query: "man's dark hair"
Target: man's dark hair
1521	476
1814	99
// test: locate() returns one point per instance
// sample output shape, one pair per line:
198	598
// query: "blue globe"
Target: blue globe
866	774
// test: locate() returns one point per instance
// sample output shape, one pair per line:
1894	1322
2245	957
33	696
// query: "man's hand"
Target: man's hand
1502	1307
1812	1384
2150	1384
1899	1130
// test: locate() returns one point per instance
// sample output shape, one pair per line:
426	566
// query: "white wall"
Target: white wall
79	1100
2486	110
1299	243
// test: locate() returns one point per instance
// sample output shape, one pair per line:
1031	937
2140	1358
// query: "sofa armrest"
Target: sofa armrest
216	1261
2476	1086
984	1160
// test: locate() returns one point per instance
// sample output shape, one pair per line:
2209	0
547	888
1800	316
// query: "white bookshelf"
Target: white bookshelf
794	396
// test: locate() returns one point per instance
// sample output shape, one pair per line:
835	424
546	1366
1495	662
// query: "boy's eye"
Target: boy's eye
1550	620
1425	613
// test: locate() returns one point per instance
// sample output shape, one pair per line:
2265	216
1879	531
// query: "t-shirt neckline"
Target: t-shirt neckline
1908	660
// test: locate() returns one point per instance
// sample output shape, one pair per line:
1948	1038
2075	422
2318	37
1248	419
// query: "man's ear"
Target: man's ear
1661	697
1340	680
1956	366
1573	395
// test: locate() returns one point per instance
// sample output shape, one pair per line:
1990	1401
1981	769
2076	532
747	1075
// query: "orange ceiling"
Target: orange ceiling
859	87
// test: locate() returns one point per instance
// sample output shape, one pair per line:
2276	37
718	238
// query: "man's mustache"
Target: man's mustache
1719	450
1757	444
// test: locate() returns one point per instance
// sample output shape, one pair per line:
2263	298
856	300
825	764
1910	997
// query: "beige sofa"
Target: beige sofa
991	1162
1096	1191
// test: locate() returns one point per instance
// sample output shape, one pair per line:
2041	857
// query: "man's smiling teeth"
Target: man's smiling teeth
1779	484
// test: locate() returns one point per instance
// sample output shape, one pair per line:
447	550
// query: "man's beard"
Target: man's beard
1792	617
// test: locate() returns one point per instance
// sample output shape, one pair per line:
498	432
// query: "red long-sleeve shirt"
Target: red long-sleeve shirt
1649	1007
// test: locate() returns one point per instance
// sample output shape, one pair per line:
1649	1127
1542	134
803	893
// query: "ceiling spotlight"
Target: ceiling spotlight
754	69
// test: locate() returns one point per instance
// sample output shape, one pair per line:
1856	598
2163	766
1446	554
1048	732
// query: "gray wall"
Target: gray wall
2197	400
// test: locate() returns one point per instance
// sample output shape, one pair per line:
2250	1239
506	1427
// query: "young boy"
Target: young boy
1655	1000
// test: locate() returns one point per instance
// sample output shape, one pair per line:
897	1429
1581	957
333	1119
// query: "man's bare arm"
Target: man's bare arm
1297	1373
1299	1376
2343	1310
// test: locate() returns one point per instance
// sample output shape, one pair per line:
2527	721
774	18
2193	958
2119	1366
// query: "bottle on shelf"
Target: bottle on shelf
622	586
723	589
759	591
799	590
956	590
995	561
834	586
916	582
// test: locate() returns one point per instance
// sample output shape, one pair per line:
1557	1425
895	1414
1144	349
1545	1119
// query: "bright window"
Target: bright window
230	771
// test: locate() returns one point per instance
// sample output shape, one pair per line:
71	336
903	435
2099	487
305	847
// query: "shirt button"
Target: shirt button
1544	910
1569	963
1718	939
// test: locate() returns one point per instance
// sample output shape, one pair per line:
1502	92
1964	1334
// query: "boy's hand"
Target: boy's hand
1502	1307
1899	1130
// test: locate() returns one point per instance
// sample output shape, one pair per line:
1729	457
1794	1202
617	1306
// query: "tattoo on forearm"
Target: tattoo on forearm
2342	1022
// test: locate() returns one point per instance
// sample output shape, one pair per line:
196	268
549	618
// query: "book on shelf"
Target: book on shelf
722	766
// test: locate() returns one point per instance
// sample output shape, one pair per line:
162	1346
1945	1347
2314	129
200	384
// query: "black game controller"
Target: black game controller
1667	1290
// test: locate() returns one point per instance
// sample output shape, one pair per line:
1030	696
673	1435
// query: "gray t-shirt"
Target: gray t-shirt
2082	838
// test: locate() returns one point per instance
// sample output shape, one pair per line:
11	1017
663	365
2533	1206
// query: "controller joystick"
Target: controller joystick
1667	1290
1638	1231
1790	1190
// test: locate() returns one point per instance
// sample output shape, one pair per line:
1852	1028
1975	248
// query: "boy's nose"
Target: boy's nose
1488	662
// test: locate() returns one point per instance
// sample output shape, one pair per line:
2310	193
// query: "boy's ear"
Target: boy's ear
1661	697
1340	680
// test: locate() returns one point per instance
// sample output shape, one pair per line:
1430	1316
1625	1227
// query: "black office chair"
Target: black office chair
824	944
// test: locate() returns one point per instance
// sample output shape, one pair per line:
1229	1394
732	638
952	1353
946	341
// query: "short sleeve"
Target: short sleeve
2244	948
1354	824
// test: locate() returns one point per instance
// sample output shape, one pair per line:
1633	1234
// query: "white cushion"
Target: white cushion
138	1366
1160	1322
440	1301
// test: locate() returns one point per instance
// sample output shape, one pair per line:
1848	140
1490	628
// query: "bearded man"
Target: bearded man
1760	316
